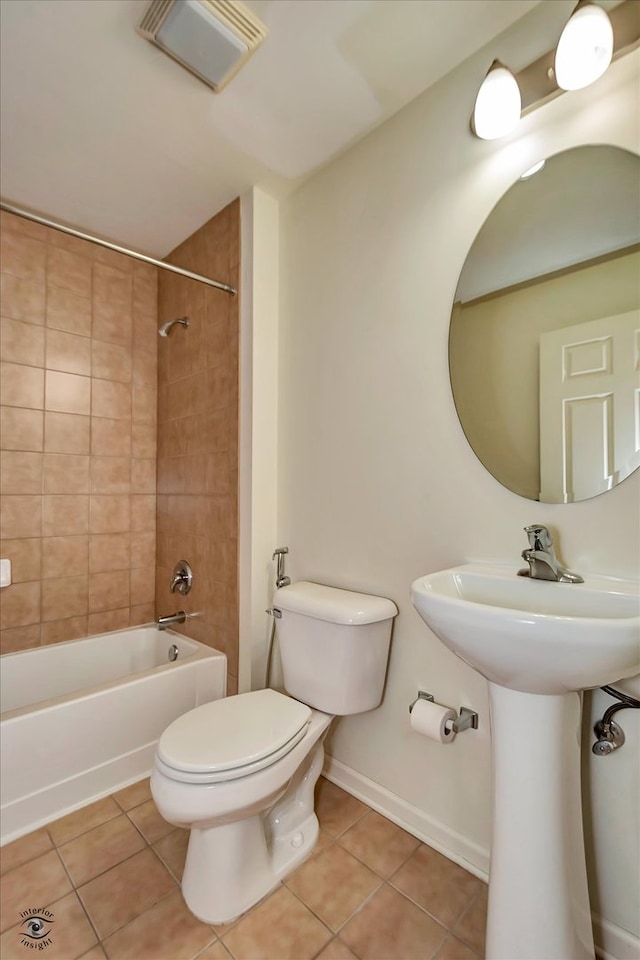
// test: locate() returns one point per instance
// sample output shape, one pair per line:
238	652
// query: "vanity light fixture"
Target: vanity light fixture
498	104
590	40
585	47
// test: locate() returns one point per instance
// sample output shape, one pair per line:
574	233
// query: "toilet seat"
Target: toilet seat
231	738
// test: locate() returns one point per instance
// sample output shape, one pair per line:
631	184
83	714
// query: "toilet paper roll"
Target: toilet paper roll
430	720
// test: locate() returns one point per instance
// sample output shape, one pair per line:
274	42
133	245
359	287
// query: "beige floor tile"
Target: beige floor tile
472	926
336	950
216	952
167	930
78	822
390	927
279	927
26	848
454	949
96	953
334	885
379	843
436	884
120	894
67	937
172	850
37	883
100	849
149	822
336	809
133	795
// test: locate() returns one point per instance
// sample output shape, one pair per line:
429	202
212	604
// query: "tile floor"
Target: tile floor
110	876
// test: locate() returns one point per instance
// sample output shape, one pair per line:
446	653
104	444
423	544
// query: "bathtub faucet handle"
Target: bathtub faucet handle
181	578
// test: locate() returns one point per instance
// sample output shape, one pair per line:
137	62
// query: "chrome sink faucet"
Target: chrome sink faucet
542	560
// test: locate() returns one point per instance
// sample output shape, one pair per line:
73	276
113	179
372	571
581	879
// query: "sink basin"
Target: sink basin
534	636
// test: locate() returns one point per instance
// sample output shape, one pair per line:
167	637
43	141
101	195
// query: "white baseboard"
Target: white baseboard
453	845
612	942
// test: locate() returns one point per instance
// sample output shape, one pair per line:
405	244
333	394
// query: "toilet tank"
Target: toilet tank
334	646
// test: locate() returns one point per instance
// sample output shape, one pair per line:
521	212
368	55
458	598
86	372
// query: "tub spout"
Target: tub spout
171	619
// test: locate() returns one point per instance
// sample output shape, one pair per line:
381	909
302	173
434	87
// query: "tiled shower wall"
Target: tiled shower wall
77	436
198	437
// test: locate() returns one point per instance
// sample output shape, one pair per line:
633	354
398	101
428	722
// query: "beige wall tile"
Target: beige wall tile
21	429
22	299
109	591
110	438
67	393
143	549
66	433
117	261
23	257
143	585
59	631
143	512
108	620
65	515
143	476
145	333
68	352
63	598
145	294
109	361
12	223
109	514
66	473
143	439
20	605
111	400
109	551
69	271
25	556
112	305
21	342
68	311
15	639
20	517
65	557
21	386
142	613
20	472
110	475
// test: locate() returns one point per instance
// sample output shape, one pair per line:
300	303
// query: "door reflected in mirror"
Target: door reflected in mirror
544	343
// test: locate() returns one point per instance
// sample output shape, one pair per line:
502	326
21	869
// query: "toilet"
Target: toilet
240	772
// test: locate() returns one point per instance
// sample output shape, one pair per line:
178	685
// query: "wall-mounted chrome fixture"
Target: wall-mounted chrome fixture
181	578
212	39
281	579
165	329
588	43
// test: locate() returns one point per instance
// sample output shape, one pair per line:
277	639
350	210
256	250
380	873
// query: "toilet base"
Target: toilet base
231	866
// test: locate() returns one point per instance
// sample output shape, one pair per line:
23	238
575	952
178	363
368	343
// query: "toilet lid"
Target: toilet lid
233	732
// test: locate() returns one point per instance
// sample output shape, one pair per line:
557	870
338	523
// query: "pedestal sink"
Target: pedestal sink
538	643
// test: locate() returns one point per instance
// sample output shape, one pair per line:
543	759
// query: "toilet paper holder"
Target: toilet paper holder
466	719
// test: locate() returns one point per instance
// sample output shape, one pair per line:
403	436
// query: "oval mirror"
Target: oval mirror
544	341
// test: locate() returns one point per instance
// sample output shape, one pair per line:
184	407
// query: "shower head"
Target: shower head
166	327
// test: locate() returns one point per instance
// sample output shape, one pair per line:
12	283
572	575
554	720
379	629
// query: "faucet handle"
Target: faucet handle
539	537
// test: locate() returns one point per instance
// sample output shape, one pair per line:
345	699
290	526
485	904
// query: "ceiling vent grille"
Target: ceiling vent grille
212	39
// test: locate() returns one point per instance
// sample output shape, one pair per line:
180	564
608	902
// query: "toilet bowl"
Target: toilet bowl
240	773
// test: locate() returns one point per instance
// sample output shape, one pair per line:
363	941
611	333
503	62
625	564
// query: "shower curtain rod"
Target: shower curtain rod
9	208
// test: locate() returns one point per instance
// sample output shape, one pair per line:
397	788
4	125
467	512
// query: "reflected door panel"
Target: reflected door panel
589	407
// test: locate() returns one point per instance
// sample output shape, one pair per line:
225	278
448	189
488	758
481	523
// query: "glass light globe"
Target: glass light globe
498	104
585	48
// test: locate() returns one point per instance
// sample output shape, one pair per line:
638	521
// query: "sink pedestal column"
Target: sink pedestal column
538	897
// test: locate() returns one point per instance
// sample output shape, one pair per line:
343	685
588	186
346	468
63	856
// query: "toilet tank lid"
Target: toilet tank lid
332	604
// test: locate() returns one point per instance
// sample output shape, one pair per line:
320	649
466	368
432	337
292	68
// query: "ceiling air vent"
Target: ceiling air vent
211	38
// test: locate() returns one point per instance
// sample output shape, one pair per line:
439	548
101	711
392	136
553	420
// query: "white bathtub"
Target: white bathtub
81	719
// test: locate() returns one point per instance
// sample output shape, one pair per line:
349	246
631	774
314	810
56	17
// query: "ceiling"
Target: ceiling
103	131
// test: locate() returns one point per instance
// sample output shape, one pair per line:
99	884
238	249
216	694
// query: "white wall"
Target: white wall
377	484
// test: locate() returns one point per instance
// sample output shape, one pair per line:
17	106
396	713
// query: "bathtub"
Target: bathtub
81	719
